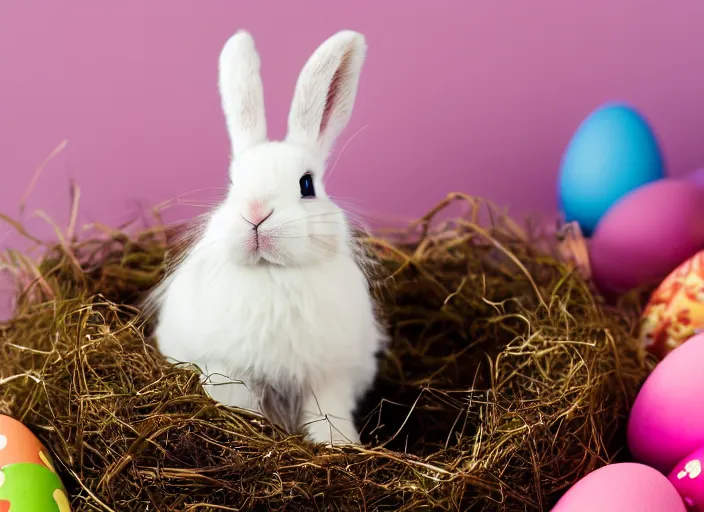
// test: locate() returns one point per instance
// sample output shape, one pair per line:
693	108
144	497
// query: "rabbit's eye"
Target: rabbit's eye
307	189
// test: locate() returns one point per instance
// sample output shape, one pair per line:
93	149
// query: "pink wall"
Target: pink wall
472	95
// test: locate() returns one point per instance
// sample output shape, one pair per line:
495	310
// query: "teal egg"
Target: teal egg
613	152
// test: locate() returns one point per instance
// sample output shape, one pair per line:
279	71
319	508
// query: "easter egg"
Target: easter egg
647	234
613	152
26	487
666	422
675	311
19	444
688	478
696	178
619	488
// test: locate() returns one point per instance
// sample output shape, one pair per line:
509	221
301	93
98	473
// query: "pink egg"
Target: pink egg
647	233
621	488
667	419
688	479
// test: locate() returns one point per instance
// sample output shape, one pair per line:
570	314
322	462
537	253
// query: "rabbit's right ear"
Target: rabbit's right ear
242	92
325	92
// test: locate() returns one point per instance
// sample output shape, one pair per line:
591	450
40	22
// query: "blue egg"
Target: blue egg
613	152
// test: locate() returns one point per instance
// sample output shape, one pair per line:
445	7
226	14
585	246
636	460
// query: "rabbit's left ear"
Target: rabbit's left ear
242	92
325	92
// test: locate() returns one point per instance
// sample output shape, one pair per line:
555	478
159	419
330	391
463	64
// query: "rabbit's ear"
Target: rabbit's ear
242	93
325	92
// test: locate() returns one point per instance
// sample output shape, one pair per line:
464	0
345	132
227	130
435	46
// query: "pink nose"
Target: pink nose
257	213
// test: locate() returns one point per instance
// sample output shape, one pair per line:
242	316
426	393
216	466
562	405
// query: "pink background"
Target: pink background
470	95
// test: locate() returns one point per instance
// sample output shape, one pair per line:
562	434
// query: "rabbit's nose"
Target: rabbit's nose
257	213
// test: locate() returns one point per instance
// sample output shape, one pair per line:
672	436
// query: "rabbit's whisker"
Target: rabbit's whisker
310	216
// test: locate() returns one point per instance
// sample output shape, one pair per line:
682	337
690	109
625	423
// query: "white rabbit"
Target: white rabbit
272	299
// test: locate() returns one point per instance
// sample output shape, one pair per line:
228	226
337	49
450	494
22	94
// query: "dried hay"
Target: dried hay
507	382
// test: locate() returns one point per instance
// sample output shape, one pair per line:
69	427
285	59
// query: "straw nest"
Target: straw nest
507	381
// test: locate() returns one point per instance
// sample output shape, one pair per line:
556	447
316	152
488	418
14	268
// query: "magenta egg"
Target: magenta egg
667	418
688	478
696	177
619	488
647	234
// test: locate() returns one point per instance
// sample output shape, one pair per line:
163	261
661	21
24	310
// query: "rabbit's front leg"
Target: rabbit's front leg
228	390
327	414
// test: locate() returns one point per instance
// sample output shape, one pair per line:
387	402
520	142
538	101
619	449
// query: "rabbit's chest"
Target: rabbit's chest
292	322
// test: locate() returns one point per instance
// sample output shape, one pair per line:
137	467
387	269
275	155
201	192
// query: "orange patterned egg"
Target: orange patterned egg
675	311
18	444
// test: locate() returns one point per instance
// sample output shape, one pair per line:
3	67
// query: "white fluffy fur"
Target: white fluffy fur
242	93
299	308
